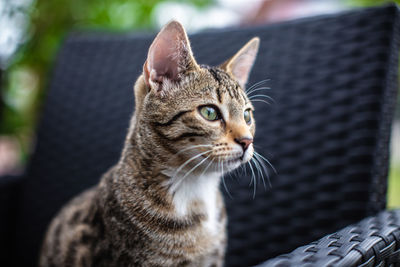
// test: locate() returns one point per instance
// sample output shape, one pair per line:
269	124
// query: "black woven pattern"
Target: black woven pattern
326	134
374	241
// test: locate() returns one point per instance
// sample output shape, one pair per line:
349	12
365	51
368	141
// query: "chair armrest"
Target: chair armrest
375	241
9	188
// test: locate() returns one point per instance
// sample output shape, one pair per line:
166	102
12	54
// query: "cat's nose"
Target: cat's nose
244	142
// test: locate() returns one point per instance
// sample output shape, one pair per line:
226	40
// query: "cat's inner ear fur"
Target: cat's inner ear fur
169	58
239	66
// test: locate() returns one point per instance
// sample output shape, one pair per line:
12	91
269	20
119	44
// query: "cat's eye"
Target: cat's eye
209	113
247	116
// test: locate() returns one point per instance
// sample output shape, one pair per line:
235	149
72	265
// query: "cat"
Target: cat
160	205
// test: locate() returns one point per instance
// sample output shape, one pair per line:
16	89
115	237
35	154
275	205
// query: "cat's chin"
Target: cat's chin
232	164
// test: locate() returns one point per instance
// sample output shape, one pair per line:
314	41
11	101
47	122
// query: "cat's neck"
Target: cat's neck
193	194
182	196
186	191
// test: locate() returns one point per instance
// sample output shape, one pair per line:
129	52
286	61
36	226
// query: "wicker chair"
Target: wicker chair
334	82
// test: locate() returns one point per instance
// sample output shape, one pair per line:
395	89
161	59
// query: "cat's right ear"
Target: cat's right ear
169	57
239	66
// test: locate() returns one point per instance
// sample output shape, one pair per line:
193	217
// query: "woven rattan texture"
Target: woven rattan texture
374	241
328	77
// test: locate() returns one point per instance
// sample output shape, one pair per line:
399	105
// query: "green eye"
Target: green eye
209	113
247	117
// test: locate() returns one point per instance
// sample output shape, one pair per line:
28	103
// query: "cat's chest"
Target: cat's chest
199	195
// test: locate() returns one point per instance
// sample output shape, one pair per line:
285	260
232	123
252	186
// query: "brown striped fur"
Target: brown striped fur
160	204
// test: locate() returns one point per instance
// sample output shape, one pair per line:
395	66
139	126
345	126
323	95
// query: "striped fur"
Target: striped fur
160	205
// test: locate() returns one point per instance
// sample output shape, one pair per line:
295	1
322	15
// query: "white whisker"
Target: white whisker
223	180
197	165
268	97
253	178
189	160
209	164
257	89
244	171
259	166
264	168
257	84
176	184
238	171
267	161
192	147
259	172
260	100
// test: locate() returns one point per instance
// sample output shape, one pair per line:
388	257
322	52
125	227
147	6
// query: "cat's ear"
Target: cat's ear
169	57
239	66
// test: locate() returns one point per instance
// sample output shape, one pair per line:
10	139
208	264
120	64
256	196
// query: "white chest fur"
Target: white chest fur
201	190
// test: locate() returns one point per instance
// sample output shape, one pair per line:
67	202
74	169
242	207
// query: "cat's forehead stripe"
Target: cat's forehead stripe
243	94
217	78
224	83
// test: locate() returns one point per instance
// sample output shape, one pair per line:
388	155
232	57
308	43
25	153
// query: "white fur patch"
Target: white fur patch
202	189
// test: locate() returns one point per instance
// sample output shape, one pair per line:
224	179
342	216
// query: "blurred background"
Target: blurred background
31	32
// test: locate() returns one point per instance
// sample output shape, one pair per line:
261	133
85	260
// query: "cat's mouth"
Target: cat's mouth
222	160
236	160
233	161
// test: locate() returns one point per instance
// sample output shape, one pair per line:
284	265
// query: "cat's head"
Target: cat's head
194	118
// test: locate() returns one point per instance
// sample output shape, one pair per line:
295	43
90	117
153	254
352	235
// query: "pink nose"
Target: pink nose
244	142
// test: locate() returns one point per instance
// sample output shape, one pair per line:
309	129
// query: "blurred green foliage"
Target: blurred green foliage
48	23
394	187
50	20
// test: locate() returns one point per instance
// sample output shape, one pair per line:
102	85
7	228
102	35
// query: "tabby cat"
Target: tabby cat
160	205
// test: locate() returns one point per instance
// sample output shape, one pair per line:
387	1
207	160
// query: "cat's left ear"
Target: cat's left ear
239	66
169	58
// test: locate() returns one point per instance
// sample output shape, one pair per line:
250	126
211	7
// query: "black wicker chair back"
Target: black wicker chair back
333	81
